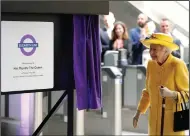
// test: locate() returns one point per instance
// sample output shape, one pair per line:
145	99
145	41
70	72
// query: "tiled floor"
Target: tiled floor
8	129
124	133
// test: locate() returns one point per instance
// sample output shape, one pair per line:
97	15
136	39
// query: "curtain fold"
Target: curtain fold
87	61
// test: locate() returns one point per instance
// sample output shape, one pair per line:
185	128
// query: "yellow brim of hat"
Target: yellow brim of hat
171	46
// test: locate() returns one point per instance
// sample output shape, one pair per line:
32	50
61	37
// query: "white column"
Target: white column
117	105
38	118
79	122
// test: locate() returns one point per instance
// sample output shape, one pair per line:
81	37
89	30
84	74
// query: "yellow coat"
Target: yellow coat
174	75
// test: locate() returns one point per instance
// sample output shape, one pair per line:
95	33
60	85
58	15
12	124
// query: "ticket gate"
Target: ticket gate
111	58
108	123
134	83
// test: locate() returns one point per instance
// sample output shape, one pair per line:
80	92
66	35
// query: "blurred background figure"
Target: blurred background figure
136	34
150	28
166	27
105	32
120	39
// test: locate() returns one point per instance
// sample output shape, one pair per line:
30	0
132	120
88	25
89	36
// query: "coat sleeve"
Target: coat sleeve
182	81
128	46
111	45
144	102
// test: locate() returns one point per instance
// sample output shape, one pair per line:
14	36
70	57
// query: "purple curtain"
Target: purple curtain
87	63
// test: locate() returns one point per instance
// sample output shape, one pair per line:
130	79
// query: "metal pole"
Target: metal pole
49	101
70	112
123	86
6	105
38	105
52	111
79	122
117	109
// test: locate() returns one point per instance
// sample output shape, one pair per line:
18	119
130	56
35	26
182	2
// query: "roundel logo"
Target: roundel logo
26	45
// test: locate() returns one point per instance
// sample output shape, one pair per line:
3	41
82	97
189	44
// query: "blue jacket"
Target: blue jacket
137	46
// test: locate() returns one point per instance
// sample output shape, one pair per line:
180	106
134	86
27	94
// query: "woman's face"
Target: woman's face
158	52
119	30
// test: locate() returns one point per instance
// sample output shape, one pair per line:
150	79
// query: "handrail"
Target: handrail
179	2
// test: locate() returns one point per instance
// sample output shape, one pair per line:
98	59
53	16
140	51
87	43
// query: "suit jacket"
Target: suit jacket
177	52
127	46
137	46
104	41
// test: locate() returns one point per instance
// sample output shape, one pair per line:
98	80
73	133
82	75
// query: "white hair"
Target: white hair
168	50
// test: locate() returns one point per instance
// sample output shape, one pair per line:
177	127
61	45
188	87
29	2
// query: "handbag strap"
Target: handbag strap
183	101
186	95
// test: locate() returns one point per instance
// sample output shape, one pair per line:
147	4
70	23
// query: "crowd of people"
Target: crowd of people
115	35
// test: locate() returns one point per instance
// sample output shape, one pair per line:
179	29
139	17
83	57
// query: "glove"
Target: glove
165	92
136	118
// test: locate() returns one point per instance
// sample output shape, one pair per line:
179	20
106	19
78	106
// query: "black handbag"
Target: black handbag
181	118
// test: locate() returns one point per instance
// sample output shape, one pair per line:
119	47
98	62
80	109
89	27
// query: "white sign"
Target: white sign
27	55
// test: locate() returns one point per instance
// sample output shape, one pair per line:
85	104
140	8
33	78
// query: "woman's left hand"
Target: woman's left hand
165	92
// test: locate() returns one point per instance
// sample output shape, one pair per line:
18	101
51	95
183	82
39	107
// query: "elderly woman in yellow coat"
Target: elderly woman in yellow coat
169	72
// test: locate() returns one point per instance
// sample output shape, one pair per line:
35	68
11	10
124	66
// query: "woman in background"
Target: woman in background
120	39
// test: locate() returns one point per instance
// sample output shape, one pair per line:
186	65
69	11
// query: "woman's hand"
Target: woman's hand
165	92
136	118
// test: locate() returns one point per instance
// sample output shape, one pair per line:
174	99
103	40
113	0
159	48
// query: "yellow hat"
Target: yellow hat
160	39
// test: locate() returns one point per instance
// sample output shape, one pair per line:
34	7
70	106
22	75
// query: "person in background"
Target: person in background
105	32
136	34
149	27
166	77
165	27
120	39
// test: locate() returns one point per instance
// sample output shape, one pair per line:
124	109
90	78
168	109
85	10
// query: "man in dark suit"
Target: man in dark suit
135	35
165	27
105	32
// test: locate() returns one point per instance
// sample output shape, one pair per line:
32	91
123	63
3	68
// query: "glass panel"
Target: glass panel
185	4
184	40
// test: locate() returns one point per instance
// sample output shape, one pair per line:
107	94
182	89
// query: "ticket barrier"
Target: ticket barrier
108	123
134	83
92	122
111	58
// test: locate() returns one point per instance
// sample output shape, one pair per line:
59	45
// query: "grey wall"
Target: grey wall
124	12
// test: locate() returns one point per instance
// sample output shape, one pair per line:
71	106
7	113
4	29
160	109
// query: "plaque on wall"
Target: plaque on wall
27	55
